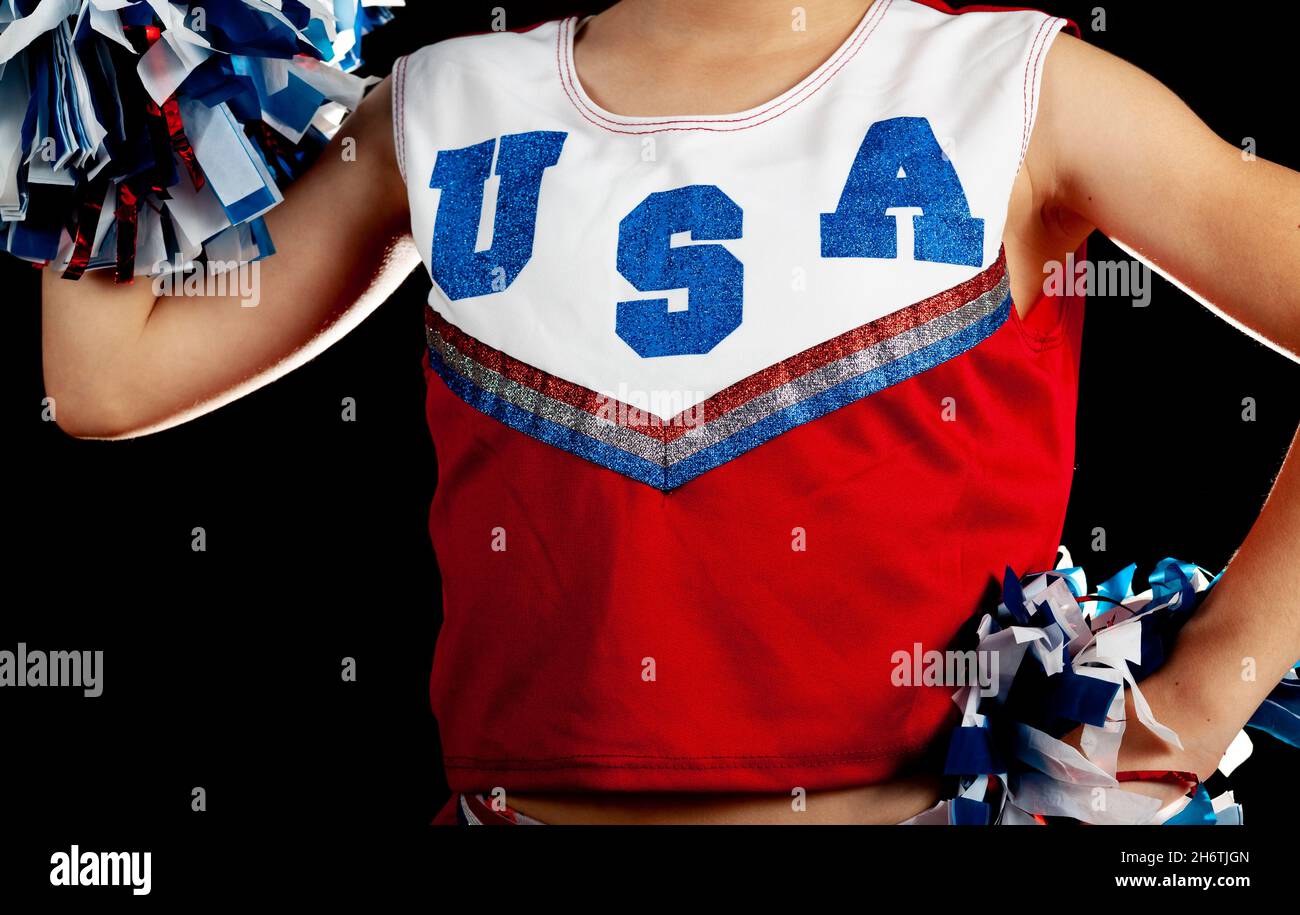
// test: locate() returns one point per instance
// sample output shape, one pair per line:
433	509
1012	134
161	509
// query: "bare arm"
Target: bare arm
120	362
1119	151
1115	149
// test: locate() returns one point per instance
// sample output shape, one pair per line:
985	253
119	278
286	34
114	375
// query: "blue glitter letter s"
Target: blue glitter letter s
461	173
712	275
946	233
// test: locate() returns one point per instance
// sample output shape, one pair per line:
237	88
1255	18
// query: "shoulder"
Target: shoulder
1090	95
992	22
1002	50
488	53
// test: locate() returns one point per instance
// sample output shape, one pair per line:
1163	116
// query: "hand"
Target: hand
1141	750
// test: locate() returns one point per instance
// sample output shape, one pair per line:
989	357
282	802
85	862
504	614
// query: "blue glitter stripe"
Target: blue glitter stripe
841	395
766	429
532	425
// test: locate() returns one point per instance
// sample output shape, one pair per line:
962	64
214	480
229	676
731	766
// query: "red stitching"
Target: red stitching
868	26
943	7
1033	86
1033	82
1024	126
853	41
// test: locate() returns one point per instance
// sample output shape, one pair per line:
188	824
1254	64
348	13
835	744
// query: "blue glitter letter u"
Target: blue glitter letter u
711	273
900	164
461	173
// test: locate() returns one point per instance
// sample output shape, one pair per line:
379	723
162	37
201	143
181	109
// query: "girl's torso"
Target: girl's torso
729	409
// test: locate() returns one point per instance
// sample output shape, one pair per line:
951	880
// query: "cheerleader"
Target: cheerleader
805	252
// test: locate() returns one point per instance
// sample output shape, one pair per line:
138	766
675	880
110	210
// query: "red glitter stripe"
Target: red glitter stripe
869	334
575	395
735	395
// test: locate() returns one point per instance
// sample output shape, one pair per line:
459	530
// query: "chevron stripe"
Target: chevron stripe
667	454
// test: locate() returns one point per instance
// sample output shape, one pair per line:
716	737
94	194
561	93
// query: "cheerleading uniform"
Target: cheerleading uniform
728	409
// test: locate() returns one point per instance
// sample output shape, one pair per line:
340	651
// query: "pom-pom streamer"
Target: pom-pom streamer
1064	658
146	135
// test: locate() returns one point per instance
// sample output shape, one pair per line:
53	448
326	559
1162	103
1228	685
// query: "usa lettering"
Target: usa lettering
899	167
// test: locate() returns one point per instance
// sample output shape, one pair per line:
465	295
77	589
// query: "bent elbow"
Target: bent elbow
85	415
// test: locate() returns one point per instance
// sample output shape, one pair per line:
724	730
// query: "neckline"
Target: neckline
738	120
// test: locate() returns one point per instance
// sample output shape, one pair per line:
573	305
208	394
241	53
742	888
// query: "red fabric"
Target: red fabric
772	666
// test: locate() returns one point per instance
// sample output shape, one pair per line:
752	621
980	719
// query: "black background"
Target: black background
222	667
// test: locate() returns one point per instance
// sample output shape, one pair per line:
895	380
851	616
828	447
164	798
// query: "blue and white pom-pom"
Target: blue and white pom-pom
145	134
1064	657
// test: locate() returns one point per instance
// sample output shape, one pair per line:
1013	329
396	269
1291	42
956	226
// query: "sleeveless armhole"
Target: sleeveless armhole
399	115
1035	60
1050	317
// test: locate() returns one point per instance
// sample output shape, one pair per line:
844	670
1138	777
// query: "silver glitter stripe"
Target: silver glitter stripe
539	404
722	427
469	814
828	376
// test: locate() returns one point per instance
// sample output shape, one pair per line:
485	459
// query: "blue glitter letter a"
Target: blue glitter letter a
461	173
900	164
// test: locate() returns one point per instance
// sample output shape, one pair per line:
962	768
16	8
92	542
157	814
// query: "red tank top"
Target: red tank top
709	596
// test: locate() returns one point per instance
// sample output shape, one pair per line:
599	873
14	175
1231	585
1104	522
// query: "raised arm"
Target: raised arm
120	362
1117	149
